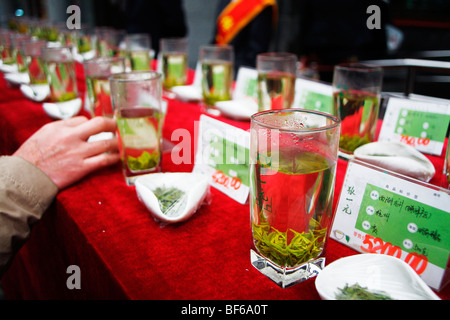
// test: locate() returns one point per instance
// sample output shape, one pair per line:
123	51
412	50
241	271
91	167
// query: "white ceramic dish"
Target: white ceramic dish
35	92
194	186
16	78
239	109
7	68
397	157
376	272
63	110
188	93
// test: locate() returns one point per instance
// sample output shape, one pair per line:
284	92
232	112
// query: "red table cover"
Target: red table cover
100	225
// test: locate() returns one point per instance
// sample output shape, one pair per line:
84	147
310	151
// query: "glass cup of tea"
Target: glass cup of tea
138	48
33	59
136	98
356	97
276	80
85	42
103	37
5	48
108	41
217	64
16	50
174	60
50	31
293	156
59	67
97	73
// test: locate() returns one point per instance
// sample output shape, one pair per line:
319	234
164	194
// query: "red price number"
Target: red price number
372	244
413	141
221	178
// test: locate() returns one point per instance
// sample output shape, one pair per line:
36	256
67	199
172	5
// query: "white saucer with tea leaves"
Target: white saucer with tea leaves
188	93
172	196
35	92
371	276
17	78
63	110
238	109
7	68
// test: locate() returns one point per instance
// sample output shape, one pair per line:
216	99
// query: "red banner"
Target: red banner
237	15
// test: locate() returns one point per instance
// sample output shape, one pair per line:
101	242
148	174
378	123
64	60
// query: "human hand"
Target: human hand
60	149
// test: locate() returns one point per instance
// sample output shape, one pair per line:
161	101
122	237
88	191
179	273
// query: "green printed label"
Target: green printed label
251	88
315	101
406	223
420	124
230	158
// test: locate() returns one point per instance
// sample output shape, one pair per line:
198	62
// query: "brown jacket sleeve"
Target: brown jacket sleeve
25	193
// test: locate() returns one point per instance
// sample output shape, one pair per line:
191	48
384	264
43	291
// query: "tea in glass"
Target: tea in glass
174	61
97	73
217	65
292	173
59	68
276	80
33	58
136	98
356	96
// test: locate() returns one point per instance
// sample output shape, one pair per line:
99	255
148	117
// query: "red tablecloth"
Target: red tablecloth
123	253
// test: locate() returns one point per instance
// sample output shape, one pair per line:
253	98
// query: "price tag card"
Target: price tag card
382	212
223	155
313	95
246	84
418	123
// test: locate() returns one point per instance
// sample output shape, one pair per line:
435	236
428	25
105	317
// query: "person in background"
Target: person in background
53	158
247	25
158	18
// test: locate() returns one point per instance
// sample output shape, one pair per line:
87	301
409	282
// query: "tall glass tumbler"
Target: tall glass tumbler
33	58
276	80
217	63
356	96
108	41
174	60
59	67
85	40
138	48
102	41
5	48
50	31
136	98
293	156
97	73
16	50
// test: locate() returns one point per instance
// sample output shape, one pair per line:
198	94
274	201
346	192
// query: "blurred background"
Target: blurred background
321	32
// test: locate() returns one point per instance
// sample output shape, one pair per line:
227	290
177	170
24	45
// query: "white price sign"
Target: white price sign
421	124
223	155
381	212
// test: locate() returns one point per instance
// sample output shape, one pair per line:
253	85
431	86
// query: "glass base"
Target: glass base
212	111
286	277
130	180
